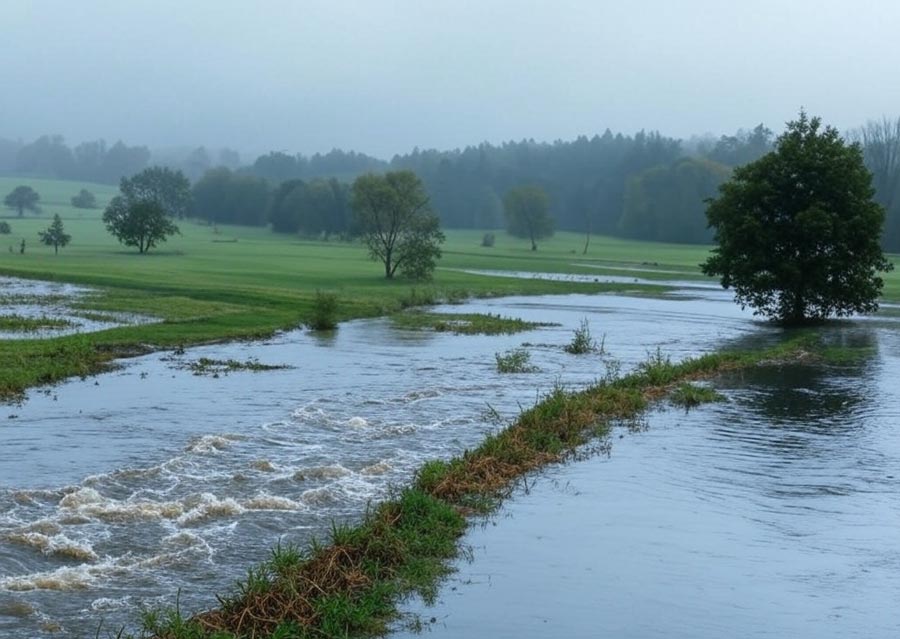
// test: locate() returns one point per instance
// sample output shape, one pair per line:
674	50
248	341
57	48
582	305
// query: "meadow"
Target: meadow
225	282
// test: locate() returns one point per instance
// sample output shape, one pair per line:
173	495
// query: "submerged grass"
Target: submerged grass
216	367
691	395
351	585
465	323
19	323
518	360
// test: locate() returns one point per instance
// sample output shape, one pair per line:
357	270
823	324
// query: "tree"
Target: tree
140	223
396	222
798	230
171	189
84	200
55	235
23	198
527	214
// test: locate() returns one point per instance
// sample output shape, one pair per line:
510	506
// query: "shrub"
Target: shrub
488	240
324	312
517	360
4	228
583	342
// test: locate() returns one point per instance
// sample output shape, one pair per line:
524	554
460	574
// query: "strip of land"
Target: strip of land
350	586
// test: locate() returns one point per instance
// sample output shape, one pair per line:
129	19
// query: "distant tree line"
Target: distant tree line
643	186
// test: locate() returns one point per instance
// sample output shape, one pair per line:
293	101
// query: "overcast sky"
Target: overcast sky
385	76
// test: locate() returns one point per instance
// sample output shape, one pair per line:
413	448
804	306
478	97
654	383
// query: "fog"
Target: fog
383	77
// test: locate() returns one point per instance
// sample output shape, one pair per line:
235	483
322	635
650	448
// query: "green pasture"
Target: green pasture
56	196
214	283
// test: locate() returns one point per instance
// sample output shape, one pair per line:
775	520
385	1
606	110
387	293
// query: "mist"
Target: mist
383	78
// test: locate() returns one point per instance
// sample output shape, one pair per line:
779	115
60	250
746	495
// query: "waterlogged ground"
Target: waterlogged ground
774	514
118	490
36	301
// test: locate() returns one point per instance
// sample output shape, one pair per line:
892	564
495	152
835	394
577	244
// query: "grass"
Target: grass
206	287
690	395
517	360
216	367
18	323
351	584
464	323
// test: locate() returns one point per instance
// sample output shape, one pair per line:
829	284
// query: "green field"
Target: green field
229	282
56	197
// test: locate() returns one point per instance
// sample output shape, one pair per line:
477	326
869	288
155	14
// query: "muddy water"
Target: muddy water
775	514
115	491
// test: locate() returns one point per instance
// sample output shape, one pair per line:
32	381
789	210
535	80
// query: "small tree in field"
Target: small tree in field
84	200
23	198
526	209
798	230
55	235
5	228
140	223
396	223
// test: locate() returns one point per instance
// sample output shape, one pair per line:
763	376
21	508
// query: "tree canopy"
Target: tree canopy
23	198
55	235
140	223
798	230
84	200
395	219
170	188
527	213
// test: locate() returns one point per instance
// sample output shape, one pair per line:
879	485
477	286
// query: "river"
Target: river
118	490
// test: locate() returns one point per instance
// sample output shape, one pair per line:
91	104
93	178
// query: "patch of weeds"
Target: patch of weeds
216	367
583	341
518	360
690	395
419	297
324	312
464	323
18	323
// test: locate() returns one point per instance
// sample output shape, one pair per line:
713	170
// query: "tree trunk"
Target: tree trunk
388	271
55	249
587	239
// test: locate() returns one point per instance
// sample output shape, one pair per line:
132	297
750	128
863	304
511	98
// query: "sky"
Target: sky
384	76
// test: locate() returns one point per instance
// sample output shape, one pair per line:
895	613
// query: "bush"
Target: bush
488	240
84	200
324	312
4	228
517	360
583	342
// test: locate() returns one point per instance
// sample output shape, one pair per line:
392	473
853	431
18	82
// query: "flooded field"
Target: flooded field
117	490
31	309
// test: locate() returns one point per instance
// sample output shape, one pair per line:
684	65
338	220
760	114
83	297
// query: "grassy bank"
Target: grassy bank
350	586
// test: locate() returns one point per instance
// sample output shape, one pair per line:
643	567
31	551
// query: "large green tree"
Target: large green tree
23	198
140	223
396	223
170	188
798	230
527	211
55	235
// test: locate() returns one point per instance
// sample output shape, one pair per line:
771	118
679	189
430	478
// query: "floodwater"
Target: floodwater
119	490
35	299
773	514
